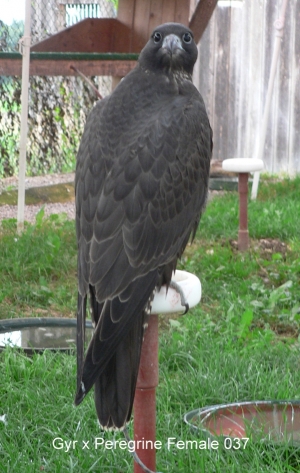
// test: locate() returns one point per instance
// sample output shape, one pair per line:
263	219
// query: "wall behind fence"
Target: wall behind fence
233	71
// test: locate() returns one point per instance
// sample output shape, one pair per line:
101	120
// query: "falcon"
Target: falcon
141	185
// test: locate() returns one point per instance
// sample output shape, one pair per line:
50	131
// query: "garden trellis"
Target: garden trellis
58	105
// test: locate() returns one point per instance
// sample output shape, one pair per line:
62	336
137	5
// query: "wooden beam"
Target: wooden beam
201	17
52	67
92	35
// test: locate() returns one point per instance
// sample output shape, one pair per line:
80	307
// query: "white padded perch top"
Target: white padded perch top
242	165
169	302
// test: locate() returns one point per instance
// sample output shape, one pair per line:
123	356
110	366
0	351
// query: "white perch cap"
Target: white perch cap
169	302
242	165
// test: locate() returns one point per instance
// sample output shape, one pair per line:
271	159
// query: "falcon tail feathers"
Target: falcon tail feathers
81	315
115	388
112	358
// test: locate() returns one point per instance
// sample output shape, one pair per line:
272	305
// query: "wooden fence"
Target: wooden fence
232	74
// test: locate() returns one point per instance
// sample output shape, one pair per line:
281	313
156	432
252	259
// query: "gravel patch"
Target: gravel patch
10	211
37	181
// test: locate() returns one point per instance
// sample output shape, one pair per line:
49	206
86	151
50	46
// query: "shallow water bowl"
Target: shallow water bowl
59	334
36	334
272	421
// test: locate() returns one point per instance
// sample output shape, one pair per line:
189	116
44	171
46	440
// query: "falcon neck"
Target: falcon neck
180	76
177	77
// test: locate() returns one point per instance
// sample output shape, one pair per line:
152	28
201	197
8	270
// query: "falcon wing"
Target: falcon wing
140	195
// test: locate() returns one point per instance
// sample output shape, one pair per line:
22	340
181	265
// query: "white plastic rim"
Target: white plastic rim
169	302
242	165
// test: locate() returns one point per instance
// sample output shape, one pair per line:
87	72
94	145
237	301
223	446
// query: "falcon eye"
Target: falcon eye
187	38
157	37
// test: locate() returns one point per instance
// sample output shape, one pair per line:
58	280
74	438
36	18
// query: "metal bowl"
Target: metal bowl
34	335
272	421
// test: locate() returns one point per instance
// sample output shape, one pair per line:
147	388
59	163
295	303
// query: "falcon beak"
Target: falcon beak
172	43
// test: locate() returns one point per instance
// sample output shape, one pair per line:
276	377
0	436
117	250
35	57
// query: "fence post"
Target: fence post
25	51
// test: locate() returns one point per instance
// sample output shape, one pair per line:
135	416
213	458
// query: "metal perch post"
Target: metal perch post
243	166
145	398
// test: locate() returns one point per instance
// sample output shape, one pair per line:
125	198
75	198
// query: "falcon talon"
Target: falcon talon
187	308
174	285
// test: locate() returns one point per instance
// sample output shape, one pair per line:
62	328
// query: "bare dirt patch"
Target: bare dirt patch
266	246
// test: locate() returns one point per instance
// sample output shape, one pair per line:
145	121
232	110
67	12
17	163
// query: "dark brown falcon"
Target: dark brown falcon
141	185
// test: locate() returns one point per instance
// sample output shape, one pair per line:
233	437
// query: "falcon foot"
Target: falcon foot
174	285
134	454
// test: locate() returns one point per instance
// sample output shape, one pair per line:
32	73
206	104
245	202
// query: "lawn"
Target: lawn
240	343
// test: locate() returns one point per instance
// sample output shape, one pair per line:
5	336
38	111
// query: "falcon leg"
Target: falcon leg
178	289
134	454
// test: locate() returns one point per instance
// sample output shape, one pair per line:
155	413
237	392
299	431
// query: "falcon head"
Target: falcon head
171	49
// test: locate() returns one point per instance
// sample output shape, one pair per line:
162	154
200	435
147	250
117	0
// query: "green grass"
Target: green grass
38	268
240	343
37	395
